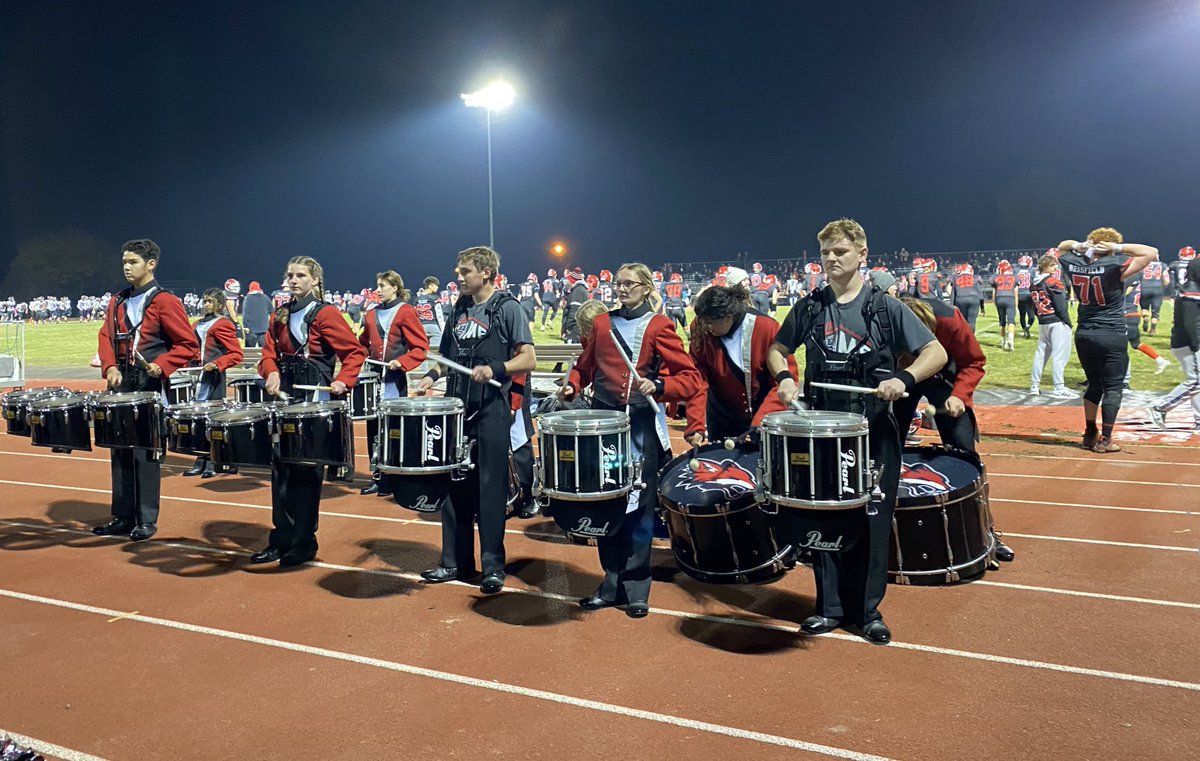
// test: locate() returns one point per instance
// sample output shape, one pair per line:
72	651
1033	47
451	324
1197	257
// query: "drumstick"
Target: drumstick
190	370
377	362
633	373
850	389
303	387
460	368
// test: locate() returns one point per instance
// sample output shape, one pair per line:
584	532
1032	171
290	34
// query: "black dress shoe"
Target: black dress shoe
441	574
143	531
595	602
208	474
195	470
492	583
530	510
115	527
1004	552
371	488
819	625
637	609
877	633
269	555
292	559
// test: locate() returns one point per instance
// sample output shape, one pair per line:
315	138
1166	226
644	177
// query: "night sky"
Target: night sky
238	134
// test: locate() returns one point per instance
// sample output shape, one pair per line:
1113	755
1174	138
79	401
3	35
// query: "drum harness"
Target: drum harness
300	366
131	363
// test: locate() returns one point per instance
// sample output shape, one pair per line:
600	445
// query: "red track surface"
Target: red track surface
1079	649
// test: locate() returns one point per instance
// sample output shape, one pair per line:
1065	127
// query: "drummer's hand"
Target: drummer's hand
272	385
481	373
113	376
567	392
647	387
890	389
424	385
955	406
153	370
394	365
788	391
337	388
694	439
210	367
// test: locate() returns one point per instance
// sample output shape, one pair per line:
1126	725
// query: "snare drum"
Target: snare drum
586	469
421	435
241	436
247	389
816	460
364	395
16	407
187	427
61	422
940	532
316	433
718	533
128	420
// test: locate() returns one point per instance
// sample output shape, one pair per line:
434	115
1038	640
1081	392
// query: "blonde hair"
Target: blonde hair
921	310
315	269
1105	235
1047	263
641	273
843	228
481	258
393	277
587	312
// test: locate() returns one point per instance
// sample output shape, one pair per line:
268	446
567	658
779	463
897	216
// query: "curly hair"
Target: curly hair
143	247
1105	235
718	302
843	228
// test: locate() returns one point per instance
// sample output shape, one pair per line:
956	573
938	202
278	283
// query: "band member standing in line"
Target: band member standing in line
392	333
729	348
852	335
144	338
306	337
1096	269
219	351
489	334
665	372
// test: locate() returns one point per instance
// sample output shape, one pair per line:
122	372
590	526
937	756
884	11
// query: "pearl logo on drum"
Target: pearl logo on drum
849	460
586	529
814	541
433	433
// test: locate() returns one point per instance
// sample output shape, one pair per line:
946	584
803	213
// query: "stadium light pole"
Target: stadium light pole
496	96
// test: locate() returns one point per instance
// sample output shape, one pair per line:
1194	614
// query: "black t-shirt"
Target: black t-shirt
844	326
1098	287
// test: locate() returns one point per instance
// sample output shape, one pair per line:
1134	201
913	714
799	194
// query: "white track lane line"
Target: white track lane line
1040	503
466	681
554	537
49	748
1058	667
1088	459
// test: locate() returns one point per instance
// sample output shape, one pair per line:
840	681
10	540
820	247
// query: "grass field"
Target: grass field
72	344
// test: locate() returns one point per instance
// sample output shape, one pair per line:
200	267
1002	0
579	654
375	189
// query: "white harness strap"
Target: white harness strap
747	346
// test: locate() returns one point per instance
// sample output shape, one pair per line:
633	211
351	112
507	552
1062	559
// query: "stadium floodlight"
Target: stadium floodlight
496	96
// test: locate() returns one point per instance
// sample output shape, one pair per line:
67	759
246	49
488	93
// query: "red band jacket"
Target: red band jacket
164	336
329	336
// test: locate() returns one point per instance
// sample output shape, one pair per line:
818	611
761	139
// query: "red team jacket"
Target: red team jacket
165	335
406	339
967	362
601	364
222	334
710	359
328	329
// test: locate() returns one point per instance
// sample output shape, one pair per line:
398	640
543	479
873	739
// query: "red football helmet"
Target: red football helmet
964	269
1187	253
233	287
532	277
658	275
1052	252
722	269
1025	261
676	277
453	286
592	282
605	276
757	267
1003	267
552	272
501	282
812	268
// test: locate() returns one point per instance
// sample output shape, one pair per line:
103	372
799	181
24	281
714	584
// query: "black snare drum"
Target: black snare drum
128	421
718	533
248	389
364	395
940	533
816	460
16	407
187	426
421	435
61	422
316	433
587	470
241	436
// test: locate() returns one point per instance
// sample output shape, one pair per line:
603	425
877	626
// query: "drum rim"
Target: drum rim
787	422
780	500
712	512
126	399
314	410
692	571
584	421
76	400
593	496
258	415
955	495
455	404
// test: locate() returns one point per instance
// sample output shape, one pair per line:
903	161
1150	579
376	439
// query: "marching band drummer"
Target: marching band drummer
729	347
851	336
144	338
219	351
488	333
634	333
392	333
305	338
